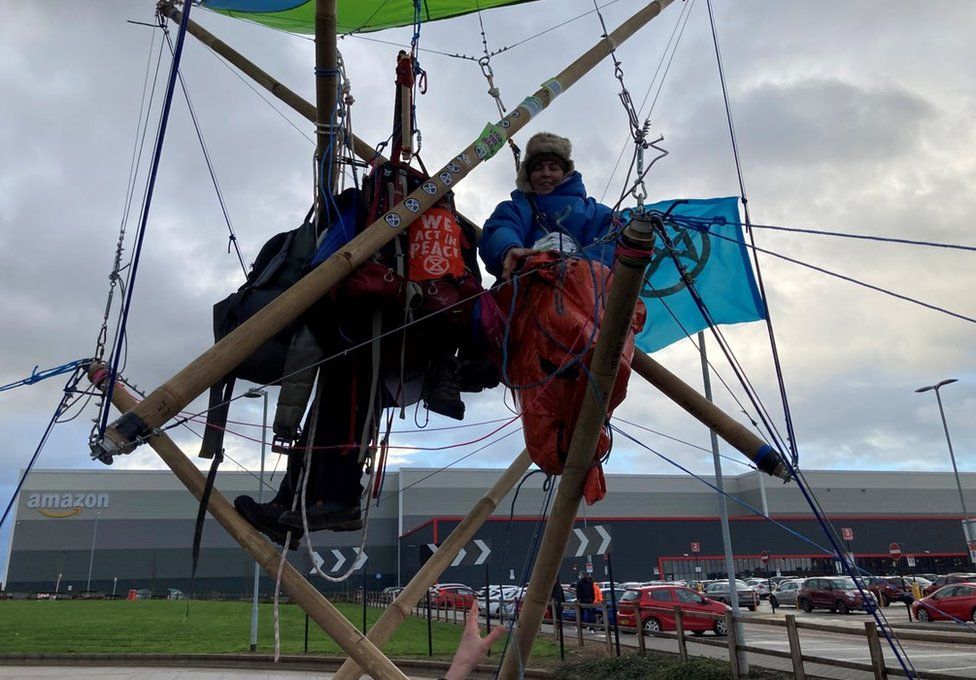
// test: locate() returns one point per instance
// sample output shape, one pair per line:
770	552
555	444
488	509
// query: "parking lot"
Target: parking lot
955	659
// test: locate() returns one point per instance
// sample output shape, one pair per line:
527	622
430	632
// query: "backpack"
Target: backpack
281	262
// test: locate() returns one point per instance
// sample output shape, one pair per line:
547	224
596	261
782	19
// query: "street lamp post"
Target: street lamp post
254	394
952	455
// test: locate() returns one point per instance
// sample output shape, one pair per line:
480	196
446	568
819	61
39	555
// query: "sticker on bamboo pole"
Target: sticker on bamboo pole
554	87
490	141
392	219
531	104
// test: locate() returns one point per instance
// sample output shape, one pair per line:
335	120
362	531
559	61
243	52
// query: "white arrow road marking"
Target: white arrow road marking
459	557
606	539
485	551
318	562
340	560
584	541
361	558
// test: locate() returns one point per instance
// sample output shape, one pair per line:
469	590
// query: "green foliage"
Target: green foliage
212	627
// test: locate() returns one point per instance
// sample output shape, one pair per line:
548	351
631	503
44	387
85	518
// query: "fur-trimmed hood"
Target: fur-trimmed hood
543	143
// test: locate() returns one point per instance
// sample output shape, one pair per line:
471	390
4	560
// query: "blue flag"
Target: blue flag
709	243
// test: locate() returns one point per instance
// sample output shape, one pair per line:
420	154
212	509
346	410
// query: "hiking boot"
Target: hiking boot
442	394
265	518
331	515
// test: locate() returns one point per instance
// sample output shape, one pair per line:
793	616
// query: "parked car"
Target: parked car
719	590
452	597
785	593
888	589
652	609
760	585
836	593
957	600
498	596
949	579
174	594
779	579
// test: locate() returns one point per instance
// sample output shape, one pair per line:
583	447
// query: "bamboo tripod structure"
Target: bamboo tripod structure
142	418
733	432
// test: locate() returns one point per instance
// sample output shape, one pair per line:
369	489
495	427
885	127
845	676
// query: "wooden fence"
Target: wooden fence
457	614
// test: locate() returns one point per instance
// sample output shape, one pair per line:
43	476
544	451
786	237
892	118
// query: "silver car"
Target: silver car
785	593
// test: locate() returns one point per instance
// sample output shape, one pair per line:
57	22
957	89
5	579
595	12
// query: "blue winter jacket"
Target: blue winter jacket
567	209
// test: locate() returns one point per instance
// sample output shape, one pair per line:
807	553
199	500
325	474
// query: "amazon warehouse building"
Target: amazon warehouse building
112	531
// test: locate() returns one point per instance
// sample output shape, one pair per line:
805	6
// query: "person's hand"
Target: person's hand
472	648
512	258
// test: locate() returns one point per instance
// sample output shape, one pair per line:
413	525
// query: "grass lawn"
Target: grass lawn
161	626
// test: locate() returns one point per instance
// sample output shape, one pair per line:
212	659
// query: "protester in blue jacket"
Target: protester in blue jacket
549	210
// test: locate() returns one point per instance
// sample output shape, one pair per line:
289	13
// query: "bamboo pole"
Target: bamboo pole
736	434
123	435
632	258
326	82
300	590
414	591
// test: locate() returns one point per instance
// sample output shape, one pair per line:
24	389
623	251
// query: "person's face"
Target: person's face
546	176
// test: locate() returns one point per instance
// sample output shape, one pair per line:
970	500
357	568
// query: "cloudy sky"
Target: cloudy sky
852	116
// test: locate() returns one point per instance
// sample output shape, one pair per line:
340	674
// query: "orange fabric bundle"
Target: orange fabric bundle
553	330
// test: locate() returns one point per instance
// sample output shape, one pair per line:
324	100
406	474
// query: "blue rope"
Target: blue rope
723	344
157	154
867	237
37	376
526	566
760	513
787	415
879	618
697	224
69	389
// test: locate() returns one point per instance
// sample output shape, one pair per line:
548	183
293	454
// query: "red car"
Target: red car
957	600
452	596
837	593
656	610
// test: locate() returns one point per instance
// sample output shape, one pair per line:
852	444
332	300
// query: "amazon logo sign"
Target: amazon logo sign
59	505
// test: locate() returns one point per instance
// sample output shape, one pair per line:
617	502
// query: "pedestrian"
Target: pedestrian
586	595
